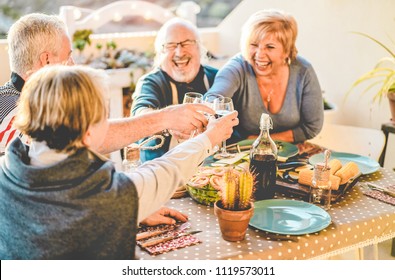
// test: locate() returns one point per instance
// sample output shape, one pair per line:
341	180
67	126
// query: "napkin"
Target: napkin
232	160
381	196
176	243
173	244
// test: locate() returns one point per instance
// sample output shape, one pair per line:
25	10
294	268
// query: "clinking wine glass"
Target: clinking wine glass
210	99
209	102
193	97
223	107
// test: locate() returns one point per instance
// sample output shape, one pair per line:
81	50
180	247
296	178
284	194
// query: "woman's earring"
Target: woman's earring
288	61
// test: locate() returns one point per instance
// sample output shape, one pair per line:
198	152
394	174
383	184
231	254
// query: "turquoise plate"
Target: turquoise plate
289	217
365	164
285	149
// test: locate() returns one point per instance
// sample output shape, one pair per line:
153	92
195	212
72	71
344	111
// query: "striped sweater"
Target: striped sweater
9	95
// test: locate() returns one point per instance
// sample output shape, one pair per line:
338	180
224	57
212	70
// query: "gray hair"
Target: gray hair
30	36
161	39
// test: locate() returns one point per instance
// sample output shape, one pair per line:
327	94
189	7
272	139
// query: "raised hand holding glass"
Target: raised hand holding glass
223	107
193	97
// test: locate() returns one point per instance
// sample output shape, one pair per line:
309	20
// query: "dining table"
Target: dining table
356	221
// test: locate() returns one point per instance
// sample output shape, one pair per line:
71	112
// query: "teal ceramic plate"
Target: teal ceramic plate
289	217
285	149
366	165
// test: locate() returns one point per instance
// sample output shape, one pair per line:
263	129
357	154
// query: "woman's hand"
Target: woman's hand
221	129
186	118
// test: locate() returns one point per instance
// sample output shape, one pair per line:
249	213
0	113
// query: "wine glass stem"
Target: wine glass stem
193	133
223	148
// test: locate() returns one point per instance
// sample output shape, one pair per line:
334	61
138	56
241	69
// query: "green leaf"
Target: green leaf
381	77
377	41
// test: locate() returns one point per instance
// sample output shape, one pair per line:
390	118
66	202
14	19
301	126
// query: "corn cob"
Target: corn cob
335	165
348	171
306	177
335	182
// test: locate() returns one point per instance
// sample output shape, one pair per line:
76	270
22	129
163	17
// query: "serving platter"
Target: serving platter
365	164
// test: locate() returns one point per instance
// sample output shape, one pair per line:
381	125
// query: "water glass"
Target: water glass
320	191
131	158
223	107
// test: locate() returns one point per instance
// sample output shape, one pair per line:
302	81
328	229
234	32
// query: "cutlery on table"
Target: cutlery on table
291	164
161	239
147	234
381	189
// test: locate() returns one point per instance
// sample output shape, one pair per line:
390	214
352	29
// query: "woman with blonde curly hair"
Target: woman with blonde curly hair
269	77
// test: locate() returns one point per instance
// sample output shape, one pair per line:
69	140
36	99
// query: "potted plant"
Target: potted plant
81	38
124	66
381	77
235	208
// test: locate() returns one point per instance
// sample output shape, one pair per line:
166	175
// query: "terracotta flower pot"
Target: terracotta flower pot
391	99
233	224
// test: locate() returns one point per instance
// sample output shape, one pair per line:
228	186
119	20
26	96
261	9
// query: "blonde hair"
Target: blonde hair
283	26
59	103
32	35
161	39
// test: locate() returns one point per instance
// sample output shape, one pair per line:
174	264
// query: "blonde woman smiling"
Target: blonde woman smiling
269	77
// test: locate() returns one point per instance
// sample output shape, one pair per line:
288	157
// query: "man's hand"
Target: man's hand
185	118
179	136
164	216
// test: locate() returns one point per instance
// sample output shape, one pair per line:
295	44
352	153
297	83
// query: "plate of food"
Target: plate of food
365	164
291	217
205	185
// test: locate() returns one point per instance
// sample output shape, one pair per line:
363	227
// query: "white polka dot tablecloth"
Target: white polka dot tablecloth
357	221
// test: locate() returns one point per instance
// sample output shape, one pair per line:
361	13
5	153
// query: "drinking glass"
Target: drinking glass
193	97
320	189
131	158
223	106
209	102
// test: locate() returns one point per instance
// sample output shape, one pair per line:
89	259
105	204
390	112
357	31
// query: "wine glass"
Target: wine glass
223	106
210	99
193	97
209	102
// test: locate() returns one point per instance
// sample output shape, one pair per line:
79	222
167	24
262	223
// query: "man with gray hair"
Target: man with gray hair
178	70
36	40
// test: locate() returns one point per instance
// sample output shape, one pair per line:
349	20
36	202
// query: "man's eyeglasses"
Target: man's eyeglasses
171	46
